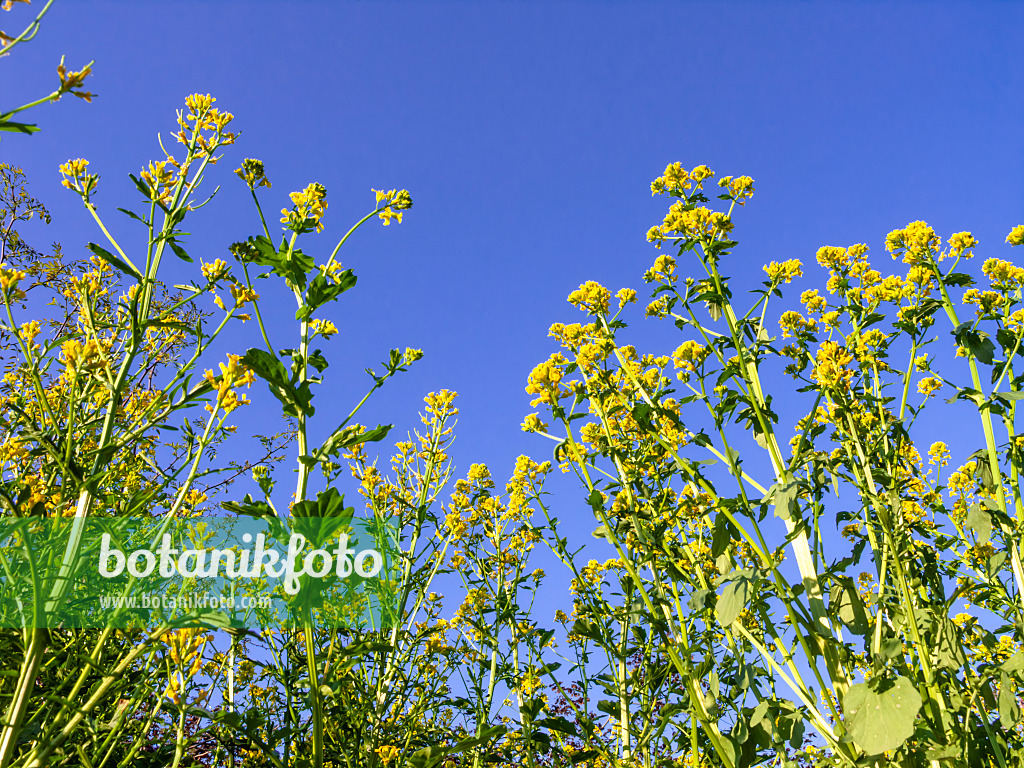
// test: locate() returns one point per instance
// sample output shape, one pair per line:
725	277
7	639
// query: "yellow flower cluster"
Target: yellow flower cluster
205	117
868	344
76	177
689	356
664	270
677	180
795	324
962	244
78	356
324	328
831	369
938	453
308	207
160	180
252	173
9	279
184	649
915	242
784	272
741	188
28	331
814	303
545	380
1016	236
394	202
929	385
232	376
890	289
833	257
591	297
698	223
625	296
1005	275
987	302
218	270
388	753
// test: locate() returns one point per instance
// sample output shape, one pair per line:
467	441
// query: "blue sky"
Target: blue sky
528	134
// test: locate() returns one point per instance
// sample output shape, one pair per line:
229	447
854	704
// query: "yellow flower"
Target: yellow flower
233	375
794	324
915	242
664	270
962	244
689	356
784	272
833	257
929	386
741	187
675	179
545	380
1016	236
324	327
308	208
9	279
29	331
532	423
394	201
814	303
215	271
831	369
938	454
592	297
160	181
1005	275
626	296
388	753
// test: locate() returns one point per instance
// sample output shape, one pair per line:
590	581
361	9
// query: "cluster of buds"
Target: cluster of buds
252	173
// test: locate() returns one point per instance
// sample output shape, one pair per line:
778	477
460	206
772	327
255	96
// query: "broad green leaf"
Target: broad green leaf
880	715
980	521
322	290
1009	710
1015	664
846	603
295	400
734	598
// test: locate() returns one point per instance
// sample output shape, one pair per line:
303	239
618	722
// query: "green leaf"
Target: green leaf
10	125
249	507
880	715
292	267
947	649
980	521
784	494
179	251
111	259
321	290
295	400
1015	664
1009	710
346	437
846	603
734	597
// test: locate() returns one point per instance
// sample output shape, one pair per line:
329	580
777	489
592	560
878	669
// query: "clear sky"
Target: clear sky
528	134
